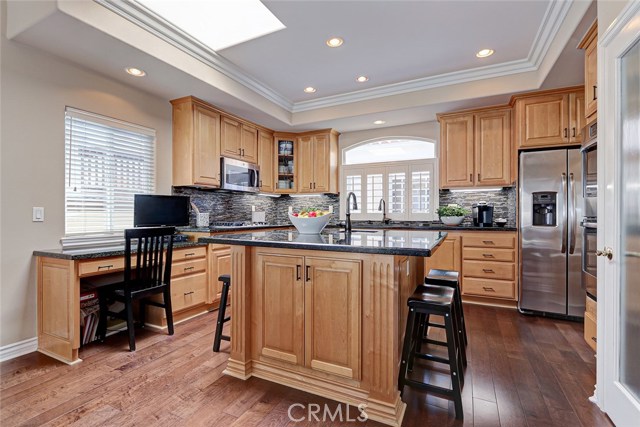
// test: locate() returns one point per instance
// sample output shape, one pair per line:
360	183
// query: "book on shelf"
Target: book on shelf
89	316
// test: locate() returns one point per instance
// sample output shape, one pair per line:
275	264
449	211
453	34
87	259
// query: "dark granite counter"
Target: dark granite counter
233	228
78	254
427	226
388	242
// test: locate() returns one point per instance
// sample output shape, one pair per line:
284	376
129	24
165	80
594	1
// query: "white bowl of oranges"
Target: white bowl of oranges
310	221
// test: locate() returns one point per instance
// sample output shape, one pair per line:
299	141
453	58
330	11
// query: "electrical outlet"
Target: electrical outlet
38	214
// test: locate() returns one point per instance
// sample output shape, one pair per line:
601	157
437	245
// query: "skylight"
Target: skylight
217	23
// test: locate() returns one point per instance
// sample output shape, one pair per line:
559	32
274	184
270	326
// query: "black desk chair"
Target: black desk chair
150	276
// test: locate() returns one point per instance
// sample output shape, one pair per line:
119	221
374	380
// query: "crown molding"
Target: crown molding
155	24
163	29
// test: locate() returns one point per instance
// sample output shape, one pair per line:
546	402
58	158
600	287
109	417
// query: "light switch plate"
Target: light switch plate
38	214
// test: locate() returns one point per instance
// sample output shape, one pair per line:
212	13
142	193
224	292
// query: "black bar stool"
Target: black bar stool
226	284
436	300
451	279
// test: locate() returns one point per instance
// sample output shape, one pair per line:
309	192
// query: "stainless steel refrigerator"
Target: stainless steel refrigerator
551	207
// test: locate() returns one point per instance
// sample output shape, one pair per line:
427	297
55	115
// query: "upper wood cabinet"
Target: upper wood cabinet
549	118
196	143
318	162
266	161
475	148
239	140
590	45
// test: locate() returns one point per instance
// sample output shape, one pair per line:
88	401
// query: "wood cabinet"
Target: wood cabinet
447	256
489	266
219	264
239	140
311	312
590	323
318	162
549	118
287	159
196	144
590	45
266	161
475	148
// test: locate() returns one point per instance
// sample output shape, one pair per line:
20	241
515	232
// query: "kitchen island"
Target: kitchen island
325	313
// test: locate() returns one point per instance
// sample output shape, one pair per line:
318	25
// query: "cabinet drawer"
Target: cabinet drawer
489	288
489	254
102	266
188	291
189	253
489	270
489	241
188	266
590	330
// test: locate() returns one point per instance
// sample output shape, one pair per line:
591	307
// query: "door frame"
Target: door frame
616	40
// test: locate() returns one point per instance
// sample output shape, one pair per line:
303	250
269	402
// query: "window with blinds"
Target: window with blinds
407	181
107	161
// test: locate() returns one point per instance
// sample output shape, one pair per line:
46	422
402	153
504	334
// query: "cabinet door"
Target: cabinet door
249	144
447	256
280	298
306	164
591	77
206	147
493	148
542	120
266	161
321	163
333	316
577	118
456	151
219	264
230	136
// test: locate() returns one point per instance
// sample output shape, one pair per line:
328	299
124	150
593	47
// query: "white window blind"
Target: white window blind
107	161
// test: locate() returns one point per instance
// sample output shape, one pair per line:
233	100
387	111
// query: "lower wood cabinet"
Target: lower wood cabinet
590	323
486	260
311	311
219	264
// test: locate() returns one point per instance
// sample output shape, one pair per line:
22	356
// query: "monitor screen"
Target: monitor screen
151	210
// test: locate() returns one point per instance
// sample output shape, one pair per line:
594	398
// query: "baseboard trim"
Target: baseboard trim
11	351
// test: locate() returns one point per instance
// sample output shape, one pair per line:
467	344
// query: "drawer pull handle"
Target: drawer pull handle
487	255
190	254
488	270
594	339
488	242
189	293
487	289
188	268
100	267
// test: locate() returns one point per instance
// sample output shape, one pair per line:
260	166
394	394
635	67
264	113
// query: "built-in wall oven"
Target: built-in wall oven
590	197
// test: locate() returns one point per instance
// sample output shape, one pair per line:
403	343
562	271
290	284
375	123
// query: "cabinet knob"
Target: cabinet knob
471	177
595	92
566	132
573	132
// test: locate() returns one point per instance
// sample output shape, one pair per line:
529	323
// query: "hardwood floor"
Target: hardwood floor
523	371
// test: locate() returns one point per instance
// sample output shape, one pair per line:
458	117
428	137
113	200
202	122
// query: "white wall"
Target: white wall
36	87
430	130
608	10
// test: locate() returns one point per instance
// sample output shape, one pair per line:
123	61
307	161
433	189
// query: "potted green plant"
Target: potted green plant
452	214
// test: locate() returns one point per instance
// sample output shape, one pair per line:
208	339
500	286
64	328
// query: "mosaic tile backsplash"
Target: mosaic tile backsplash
236	206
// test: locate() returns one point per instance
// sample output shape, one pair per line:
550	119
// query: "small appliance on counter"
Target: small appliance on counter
482	214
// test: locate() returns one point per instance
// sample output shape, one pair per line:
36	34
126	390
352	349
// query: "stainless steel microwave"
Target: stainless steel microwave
239	175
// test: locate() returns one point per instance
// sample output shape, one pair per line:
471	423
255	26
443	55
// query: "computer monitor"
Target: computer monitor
150	210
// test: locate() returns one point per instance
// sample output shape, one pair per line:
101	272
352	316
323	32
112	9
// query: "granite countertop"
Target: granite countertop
387	242
79	254
436	226
215	229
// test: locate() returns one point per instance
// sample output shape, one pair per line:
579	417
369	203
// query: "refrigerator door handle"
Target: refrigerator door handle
572	213
564	214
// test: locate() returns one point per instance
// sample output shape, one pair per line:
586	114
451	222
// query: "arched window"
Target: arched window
402	171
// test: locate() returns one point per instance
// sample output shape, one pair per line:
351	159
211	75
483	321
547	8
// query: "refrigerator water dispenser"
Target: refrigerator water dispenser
544	209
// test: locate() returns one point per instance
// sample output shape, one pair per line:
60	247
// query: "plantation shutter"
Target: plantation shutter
107	161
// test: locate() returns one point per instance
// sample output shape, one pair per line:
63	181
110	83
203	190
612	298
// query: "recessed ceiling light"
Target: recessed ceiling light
335	42
362	79
309	89
135	71
484	53
379	122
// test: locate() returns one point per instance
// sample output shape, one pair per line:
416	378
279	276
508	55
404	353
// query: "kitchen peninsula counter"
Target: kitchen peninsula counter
325	313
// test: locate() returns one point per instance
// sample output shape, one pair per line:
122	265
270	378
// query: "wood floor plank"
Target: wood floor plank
523	372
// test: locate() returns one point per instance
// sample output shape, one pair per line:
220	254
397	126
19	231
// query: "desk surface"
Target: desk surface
80	254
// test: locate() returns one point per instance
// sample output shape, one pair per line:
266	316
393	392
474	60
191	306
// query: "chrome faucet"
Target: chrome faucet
383	207
347	224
